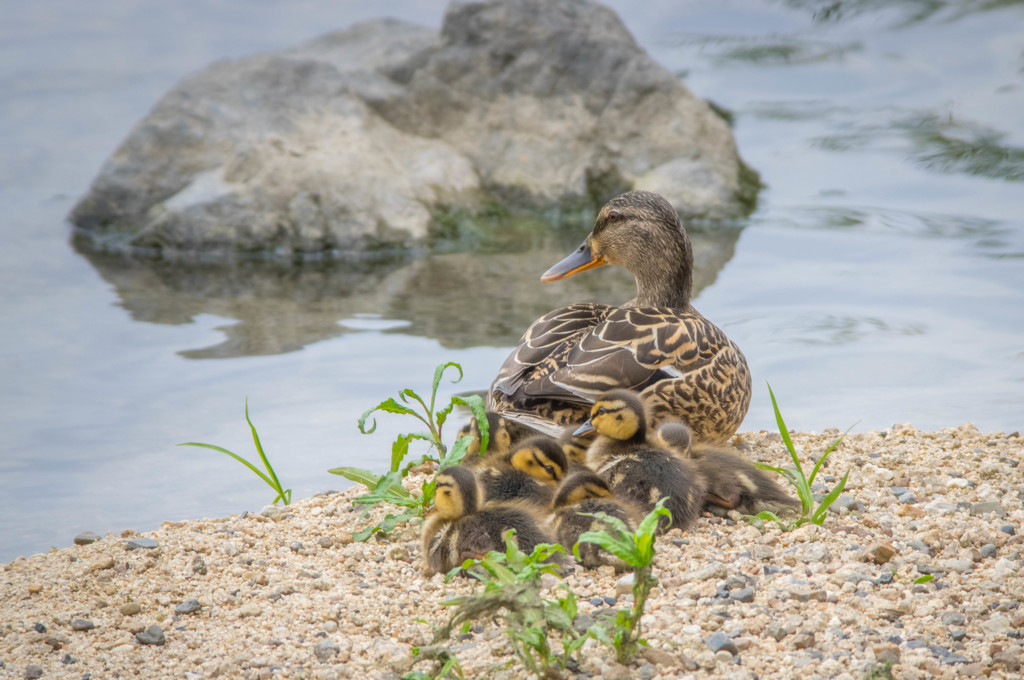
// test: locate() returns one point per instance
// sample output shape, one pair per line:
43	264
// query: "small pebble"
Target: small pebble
952	618
130	608
719	641
1008	529
39	628
188	607
326	649
33	671
743	595
988	507
86	537
988	551
199	565
141	544
81	625
154	635
907	498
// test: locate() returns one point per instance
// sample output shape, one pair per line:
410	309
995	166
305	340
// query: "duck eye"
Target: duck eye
550	470
614	215
601	410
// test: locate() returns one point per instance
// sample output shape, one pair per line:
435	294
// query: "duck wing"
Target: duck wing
542	350
573	355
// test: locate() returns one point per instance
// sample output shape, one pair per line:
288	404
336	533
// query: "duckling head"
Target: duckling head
455	493
619	414
540	457
578	487
675	437
640	231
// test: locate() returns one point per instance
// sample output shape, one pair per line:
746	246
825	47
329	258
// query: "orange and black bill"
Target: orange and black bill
580	260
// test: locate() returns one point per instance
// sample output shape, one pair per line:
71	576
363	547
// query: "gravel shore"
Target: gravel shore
286	593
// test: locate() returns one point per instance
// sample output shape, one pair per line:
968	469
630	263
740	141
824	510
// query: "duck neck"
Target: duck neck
665	279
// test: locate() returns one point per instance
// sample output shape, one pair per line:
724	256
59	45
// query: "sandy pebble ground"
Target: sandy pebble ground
287	594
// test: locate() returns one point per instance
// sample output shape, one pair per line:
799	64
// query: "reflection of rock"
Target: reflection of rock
461	299
361	137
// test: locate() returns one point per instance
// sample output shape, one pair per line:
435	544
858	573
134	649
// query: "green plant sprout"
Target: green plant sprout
801	482
512	590
446	664
388	488
270	477
636	549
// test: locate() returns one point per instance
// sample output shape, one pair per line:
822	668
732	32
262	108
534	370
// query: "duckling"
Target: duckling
460	528
656	343
579	495
499	440
732	481
636	470
528	473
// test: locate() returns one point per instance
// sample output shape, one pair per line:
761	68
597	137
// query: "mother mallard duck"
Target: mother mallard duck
657	343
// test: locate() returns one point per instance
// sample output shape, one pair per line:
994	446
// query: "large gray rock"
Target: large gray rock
361	138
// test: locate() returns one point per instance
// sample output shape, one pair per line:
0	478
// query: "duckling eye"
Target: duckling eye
550	470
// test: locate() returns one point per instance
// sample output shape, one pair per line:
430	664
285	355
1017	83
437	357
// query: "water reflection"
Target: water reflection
773	50
486	297
908	12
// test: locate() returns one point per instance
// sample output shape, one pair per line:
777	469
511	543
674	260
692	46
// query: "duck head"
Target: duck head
640	231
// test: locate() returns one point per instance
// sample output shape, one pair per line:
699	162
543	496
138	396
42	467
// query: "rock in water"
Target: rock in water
360	138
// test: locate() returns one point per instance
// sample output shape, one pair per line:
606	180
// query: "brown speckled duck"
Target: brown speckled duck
657	343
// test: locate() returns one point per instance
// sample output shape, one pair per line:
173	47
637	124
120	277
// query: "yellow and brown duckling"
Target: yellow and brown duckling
579	495
529	472
634	468
733	482
656	343
460	528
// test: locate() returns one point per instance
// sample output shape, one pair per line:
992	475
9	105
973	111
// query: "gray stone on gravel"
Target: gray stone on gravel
199	566
86	537
719	641
1008	529
130	608
997	624
987	507
907	498
952	618
82	625
325	649
141	544
742	595
154	635
804	640
359	138
33	671
957	634
188	607
988	550
846	502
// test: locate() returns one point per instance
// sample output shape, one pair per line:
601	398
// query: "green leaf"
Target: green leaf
388	406
479	409
924	579
650	523
259	449
438	372
241	460
398	451
358	475
456	454
819	514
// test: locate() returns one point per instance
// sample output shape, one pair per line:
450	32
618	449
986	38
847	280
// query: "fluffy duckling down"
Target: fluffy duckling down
733	482
460	528
528	473
579	496
635	469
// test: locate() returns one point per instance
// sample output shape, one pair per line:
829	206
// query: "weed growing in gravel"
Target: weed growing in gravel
801	482
387	488
446	664
636	549
270	477
512	590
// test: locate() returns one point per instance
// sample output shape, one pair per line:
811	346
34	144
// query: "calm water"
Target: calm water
881	279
